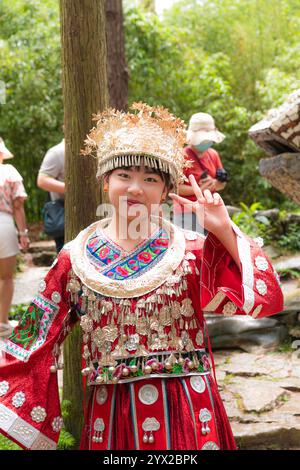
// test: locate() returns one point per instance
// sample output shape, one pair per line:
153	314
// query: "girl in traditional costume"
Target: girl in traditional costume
140	304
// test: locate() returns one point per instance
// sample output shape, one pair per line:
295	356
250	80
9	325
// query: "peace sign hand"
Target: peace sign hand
209	208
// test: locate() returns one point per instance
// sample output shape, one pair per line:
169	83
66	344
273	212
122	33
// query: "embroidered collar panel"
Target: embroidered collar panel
147	281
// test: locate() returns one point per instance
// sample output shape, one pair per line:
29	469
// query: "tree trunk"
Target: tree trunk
84	77
116	60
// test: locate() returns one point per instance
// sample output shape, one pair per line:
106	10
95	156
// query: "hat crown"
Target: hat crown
201	121
147	131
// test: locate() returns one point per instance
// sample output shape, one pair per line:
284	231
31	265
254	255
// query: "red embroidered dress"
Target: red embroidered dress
143	340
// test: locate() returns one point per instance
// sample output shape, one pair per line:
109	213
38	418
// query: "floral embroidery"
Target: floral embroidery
38	414
107	258
4	386
259	241
261	263
123	272
144	256
57	424
18	399
261	287
32	329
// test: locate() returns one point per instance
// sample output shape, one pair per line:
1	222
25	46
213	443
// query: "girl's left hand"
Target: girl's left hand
209	208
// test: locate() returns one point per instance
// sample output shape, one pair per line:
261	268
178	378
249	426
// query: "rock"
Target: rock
258	396
231	406
288	263
295	332
271	436
263	334
290	319
283	172
44	258
261	395
270	213
271	252
292	218
291	384
243	364
233	210
40	246
252	365
291	292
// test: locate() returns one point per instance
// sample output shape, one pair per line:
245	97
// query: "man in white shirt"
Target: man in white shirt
51	178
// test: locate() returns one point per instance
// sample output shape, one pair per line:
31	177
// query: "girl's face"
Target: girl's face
135	191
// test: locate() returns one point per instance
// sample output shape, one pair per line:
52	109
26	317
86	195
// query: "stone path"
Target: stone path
261	394
26	284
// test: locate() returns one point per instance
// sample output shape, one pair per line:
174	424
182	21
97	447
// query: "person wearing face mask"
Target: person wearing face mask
204	164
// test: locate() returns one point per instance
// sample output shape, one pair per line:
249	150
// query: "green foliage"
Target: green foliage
234	59
248	222
290	241
288	273
278	232
66	440
31	118
6	444
17	311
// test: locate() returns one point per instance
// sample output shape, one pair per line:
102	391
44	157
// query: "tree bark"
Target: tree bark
84	77
116	59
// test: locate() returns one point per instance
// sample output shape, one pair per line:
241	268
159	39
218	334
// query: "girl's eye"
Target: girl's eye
123	175
151	180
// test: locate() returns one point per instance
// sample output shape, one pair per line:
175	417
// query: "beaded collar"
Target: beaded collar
150	275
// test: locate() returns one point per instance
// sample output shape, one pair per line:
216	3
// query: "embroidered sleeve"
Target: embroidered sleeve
254	291
29	359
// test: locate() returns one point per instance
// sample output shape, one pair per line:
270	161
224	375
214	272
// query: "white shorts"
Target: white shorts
9	245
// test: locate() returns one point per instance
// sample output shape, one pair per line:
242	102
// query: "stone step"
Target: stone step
40	246
267	436
261	394
44	258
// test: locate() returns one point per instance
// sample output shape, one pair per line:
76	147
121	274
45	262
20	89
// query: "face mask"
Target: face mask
204	146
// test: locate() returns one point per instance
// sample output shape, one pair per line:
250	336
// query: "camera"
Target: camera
221	175
204	175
